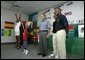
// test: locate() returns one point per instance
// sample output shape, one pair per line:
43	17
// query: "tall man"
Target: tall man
21	33
60	28
17	31
44	27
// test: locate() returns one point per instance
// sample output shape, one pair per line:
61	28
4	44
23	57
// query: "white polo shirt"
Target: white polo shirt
17	26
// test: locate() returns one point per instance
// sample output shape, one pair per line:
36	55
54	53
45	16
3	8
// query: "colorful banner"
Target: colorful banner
9	25
5	32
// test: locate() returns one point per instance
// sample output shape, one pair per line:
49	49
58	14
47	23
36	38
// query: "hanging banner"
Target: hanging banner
9	25
5	32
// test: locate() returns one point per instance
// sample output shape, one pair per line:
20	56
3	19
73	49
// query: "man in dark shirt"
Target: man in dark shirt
60	22
60	28
21	33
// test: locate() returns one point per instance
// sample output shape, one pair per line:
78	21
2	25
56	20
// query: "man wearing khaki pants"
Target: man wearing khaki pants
60	28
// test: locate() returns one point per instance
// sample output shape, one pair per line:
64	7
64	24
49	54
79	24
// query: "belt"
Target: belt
43	30
54	31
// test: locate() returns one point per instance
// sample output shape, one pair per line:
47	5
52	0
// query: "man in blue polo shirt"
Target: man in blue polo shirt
44	27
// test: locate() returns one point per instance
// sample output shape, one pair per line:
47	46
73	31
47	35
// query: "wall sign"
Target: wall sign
71	31
9	25
60	5
5	32
71	27
68	13
47	11
81	30
70	3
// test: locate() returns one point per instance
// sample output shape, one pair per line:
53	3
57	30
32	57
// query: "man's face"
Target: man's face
42	17
56	12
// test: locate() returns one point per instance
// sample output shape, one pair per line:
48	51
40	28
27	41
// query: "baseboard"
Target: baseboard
9	43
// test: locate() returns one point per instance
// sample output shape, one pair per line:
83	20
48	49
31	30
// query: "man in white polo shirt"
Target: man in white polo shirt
17	31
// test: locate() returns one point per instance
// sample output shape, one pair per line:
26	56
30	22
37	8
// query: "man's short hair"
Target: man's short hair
57	8
43	14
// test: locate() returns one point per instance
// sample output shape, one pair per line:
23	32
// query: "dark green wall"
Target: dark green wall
31	16
74	45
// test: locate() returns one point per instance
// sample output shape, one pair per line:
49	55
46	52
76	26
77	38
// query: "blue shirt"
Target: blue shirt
44	25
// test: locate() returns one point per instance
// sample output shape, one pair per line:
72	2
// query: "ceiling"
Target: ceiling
29	7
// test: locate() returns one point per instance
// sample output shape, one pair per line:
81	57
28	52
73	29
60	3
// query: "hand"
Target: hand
47	36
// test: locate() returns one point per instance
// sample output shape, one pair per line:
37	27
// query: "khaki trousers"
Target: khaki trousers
59	44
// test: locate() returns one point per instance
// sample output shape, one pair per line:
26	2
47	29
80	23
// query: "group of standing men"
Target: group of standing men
60	29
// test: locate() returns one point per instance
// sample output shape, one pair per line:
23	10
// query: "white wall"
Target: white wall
77	9
7	15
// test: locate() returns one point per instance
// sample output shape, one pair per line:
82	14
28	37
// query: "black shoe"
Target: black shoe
43	55
39	54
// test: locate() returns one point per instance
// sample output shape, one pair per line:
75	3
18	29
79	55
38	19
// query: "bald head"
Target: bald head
43	16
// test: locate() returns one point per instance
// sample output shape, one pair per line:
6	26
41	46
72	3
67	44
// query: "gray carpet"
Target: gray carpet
8	51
